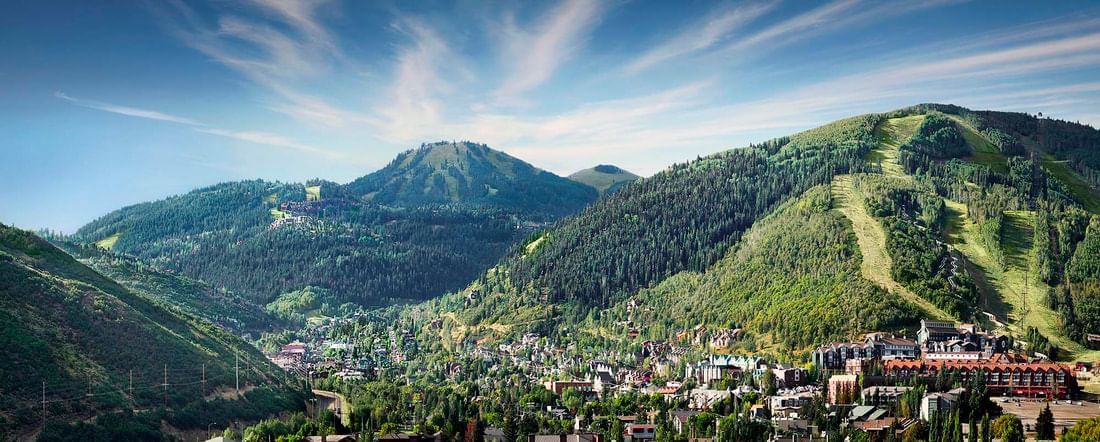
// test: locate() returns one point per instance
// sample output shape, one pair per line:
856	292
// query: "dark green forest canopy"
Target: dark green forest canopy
686	217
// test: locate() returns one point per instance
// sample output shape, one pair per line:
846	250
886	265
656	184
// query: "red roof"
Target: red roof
991	365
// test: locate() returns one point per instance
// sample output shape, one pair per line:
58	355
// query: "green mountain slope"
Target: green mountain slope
84	341
936	211
604	178
466	173
194	297
426	224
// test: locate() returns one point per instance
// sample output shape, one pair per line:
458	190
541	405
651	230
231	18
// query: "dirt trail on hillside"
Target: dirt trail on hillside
870	236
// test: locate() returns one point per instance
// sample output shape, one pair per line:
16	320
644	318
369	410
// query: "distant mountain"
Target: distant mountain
605	178
863	224
87	339
471	174
426	224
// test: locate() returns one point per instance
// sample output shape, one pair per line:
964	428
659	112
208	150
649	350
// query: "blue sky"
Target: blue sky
105	104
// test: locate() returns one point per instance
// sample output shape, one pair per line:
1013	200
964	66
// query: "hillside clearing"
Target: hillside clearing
871	238
983	151
891	134
313	193
1014	295
1081	190
108	242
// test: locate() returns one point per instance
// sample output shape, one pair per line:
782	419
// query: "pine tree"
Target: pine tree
1044	424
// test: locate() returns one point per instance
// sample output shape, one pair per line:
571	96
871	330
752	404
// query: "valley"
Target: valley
760	264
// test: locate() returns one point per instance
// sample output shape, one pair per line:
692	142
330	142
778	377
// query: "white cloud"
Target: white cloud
533	57
699	36
126	110
264	138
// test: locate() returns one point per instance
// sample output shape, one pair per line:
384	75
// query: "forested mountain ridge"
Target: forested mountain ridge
605	178
426	224
664	244
471	174
94	347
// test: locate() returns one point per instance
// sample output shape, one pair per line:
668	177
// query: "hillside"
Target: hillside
196	298
605	178
428	223
467	173
93	347
679	246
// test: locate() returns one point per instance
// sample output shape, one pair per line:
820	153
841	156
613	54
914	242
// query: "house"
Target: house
936	331
842	388
560	386
878	429
1003	376
787	376
834	356
759	412
639	432
932	403
406	437
702	399
575	437
710	370
863	413
882	396
789	404
680	419
603	382
332	438
889	347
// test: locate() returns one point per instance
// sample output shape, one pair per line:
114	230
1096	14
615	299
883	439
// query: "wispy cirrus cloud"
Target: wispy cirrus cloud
532	57
284	60
256	137
126	110
710	31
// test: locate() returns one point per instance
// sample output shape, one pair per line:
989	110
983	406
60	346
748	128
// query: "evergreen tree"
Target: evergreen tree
1044	424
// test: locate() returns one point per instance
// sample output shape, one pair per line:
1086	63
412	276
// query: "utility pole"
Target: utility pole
237	372
165	385
204	380
131	389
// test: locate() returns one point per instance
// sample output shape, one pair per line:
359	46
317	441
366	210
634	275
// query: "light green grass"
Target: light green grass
277	214
984	152
313	193
534	245
871	237
1081	191
890	135
108	242
1015	295
271	199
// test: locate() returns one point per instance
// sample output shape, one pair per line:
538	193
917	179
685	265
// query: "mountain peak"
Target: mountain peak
605	178
470	173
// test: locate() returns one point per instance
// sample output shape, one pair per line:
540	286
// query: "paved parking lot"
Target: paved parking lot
1066	413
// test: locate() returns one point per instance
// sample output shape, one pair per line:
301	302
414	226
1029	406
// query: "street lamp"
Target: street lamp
208	433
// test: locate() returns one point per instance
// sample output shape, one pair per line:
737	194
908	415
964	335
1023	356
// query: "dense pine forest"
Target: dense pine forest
684	218
426	224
